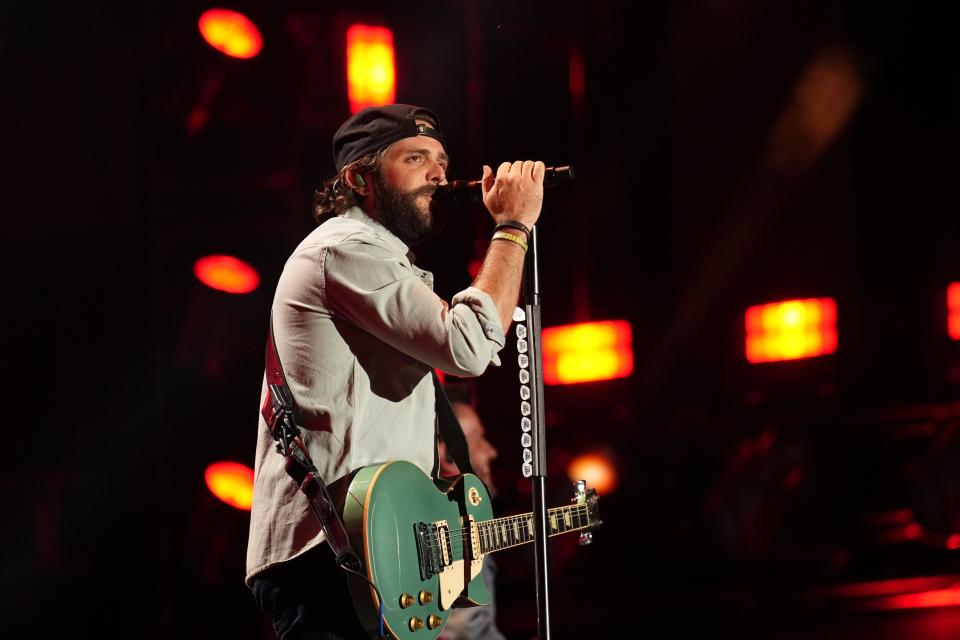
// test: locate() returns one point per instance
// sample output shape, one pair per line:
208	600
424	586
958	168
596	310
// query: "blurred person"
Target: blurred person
473	623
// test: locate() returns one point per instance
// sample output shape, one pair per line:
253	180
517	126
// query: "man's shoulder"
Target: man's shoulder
341	231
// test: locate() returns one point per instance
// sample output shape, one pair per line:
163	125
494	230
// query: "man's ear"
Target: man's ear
356	182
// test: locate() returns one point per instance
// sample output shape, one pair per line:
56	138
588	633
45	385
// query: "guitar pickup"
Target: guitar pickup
433	547
474	539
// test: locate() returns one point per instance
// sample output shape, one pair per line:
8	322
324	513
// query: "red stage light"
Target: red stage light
953	307
923	600
231	33
597	469
226	273
791	330
898	593
371	74
587	352
232	482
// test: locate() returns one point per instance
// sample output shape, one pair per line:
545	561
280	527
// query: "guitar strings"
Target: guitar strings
490	533
457	550
575	513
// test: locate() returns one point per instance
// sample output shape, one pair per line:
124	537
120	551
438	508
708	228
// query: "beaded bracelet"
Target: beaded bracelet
503	235
513	224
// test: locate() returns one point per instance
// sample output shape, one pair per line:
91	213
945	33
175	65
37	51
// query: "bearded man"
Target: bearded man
359	332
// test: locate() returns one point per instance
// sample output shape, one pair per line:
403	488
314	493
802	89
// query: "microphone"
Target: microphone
461	193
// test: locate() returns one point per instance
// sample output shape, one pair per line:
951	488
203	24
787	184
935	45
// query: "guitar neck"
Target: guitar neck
513	531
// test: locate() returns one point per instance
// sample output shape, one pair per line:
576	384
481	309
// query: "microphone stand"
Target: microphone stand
459	194
538	460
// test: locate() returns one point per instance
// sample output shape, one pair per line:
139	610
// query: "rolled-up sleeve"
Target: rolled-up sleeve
375	289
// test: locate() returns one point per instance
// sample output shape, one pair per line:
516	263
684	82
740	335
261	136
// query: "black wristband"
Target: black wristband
513	224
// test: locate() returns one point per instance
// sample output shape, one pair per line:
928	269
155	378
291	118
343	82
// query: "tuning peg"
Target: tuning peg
581	491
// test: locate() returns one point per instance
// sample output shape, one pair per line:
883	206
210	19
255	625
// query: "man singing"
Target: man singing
359	330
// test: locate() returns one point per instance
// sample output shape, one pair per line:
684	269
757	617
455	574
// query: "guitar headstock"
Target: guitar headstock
589	499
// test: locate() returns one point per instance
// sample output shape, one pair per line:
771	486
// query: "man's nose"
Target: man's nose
437	175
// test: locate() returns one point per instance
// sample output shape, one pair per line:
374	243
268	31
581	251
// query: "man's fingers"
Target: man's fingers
535	170
487	179
538	171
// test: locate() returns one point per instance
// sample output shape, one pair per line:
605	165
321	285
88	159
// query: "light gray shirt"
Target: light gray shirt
358	329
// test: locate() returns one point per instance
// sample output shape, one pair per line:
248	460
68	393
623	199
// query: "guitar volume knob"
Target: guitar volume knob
434	621
425	597
406	600
416	624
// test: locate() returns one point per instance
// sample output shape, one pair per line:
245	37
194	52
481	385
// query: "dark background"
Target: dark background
727	154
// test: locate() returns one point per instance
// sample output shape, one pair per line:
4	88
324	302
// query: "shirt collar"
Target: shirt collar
356	213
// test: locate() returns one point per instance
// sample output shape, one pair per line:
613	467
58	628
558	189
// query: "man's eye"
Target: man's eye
415	157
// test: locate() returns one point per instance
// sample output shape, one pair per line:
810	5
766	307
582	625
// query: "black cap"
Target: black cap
376	127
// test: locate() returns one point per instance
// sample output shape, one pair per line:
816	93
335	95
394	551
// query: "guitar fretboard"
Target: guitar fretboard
512	531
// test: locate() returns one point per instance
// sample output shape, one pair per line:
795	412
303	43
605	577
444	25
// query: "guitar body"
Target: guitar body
409	533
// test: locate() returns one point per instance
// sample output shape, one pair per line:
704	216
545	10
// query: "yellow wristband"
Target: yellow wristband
503	235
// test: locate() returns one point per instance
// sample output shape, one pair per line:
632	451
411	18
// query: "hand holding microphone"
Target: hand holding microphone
461	194
516	193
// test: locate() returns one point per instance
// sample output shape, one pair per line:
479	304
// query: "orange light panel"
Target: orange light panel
791	330
953	305
596	469
226	273
231	33
587	352
371	74
232	482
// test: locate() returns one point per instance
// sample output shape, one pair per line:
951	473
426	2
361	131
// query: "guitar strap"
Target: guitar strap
280	412
450	430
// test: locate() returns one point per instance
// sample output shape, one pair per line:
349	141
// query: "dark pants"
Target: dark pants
307	599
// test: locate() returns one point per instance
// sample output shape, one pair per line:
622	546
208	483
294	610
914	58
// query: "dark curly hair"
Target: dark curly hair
337	196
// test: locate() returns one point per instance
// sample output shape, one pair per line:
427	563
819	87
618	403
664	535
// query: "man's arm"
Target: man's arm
500	277
368	284
515	194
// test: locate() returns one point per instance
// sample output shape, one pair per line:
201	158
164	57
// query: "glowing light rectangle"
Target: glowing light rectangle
371	72
953	310
791	330
587	352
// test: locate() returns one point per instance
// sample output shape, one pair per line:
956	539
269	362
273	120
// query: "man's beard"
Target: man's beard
401	213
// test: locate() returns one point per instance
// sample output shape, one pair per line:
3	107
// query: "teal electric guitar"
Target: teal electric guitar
422	543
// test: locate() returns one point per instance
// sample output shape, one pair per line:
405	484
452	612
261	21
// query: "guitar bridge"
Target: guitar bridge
433	547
